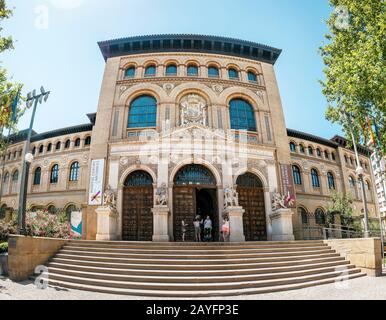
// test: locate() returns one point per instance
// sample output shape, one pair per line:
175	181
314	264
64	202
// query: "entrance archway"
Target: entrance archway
138	200
194	193
251	198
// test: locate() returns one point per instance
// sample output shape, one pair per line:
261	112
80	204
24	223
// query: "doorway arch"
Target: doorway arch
251	198
138	200
194	193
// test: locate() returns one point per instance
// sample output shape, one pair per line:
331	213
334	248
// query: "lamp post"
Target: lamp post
359	172
32	101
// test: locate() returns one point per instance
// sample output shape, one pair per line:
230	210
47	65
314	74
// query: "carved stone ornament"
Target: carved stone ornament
168	87
217	88
109	198
193	110
231	197
122	89
124	161
260	94
161	198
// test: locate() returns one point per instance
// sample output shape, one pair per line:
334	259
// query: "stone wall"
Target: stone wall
363	253
26	253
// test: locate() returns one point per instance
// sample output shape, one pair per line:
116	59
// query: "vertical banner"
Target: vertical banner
96	182
288	185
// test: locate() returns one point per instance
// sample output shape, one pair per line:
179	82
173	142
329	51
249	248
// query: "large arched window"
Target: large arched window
54	177
143	113
296	174
74	171
331	180
150	71
233	74
320	217
192	70
292	147
139	179
310	151
242	115
315	178
130	72
303	214
171	70
213	72
37	176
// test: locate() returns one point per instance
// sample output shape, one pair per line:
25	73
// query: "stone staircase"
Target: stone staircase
196	269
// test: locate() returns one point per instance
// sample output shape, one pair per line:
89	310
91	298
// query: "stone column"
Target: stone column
235	215
282	229
107	219
160	223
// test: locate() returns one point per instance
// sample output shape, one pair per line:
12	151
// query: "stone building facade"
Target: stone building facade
183	120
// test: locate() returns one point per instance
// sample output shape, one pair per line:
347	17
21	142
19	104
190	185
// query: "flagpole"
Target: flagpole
3	167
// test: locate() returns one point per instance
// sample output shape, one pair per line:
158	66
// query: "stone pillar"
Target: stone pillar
282	229
235	215
107	219
160	223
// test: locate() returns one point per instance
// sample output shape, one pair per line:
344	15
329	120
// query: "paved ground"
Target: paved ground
364	288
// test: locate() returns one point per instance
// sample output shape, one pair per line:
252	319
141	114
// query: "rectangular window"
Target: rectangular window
115	123
268	127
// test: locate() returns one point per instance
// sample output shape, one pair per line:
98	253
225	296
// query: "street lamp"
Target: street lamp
32	101
359	172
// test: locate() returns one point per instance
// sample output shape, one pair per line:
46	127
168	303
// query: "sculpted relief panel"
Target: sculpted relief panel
193	110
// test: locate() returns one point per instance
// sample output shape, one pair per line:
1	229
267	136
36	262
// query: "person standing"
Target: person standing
208	226
183	229
197	228
225	229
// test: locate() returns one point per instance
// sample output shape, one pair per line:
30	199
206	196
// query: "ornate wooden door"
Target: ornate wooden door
251	198
138	200
184	208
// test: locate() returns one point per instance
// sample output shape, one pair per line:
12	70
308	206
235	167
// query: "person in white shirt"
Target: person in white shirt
208	226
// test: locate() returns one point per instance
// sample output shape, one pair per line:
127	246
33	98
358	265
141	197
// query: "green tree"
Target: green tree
8	90
343	205
354	56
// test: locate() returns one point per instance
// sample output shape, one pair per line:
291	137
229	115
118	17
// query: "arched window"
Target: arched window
297	175
130	72
171	70
87	141
6	183
213	72
74	172
150	71
368	186
318	152
15	178
351	182
233	74
252	77
310	151
58	145
315	178
143	113
41	149
70	209
77	143
333	156
346	159
303	214
292	147
37	176
326	154
242	115
33	152
49	147
139	178
331	180
320	217
67	144
301	148
54	177
51	209
192	70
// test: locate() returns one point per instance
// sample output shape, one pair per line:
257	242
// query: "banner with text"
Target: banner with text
96	182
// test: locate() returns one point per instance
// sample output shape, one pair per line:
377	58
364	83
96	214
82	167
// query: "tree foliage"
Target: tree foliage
342	204
354	56
8	89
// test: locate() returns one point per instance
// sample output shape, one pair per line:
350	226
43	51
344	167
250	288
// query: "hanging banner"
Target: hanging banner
76	223
288	185
96	182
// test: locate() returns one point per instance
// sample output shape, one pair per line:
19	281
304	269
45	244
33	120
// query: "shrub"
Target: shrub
3	247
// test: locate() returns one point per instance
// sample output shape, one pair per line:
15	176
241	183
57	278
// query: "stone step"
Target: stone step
195	256
192	261
199	286
189	251
203	279
195	267
202	294
195	245
195	272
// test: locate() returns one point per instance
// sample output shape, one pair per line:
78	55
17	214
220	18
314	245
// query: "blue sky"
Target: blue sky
61	52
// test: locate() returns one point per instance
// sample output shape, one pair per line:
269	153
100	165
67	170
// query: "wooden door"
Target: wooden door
252	201
137	217
184	208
